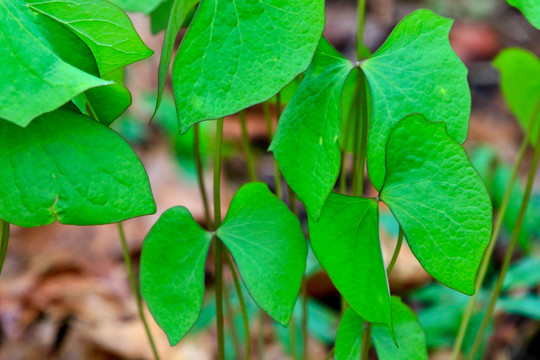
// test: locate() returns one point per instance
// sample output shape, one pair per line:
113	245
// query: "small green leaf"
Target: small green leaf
109	102
268	246
144	6
415	71
29	88
70	167
349	336
306	141
520	85
528	305
177	14
346	243
105	28
172	271
439	201
523	274
530	9
239	53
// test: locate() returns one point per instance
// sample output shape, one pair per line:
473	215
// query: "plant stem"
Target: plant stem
270	130
366	340
4	232
509	251
232	325
218	260
200	172
242	305
396	253
293	340
364	128
305	338
247	148
329	355
135	289
494	235
260	335
361	15
356	150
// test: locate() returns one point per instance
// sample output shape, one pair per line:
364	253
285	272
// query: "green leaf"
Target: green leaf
349	336
29	88
523	274
439	200
415	71
239	53
105	28
528	305
408	334
172	271
520	85
346	243
178	12
70	167
268	246
306	141
144	6
109	102
530	9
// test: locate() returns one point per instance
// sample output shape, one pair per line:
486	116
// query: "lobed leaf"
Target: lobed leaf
415	71
530	9
268	246
439	200
172	271
69	167
306	141
346	243
239	53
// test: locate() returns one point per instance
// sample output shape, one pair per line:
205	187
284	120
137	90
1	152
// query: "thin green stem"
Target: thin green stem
292	201
356	152
330	354
242	303
305	338
218	246
509	251
4	231
247	147
361	14
366	340
232	325
346	144
200	172
260	335
396	252
292	337
270	130
362	98
217	174
135	289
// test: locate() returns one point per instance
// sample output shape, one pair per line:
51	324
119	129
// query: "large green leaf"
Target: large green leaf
177	14
520	83
439	201
35	80
70	167
172	271
144	6
415	71
529	8
268	246
105	28
239	53
346	243
306	141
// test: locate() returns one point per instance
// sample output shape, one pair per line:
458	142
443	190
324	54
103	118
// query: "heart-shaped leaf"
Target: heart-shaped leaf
172	271
306	141
530	9
104	27
520	83
69	167
439	200
267	243
346	243
415	71
239	53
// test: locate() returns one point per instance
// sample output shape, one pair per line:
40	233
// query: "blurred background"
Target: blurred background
64	291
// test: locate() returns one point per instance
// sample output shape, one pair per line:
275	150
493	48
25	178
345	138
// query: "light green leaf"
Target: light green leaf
520	83
346	243
267	243
528	305
105	28
408	335
439	201
144	6
239	53
530	9
415	71
109	102
178	12
523	274
349	336
172	271
306	141
69	167
29	87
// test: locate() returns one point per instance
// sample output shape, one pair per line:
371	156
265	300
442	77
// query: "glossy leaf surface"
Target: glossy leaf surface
224	64
105	28
439	200
172	271
267	243
346	243
306	141
69	167
415	71
530	9
520	83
